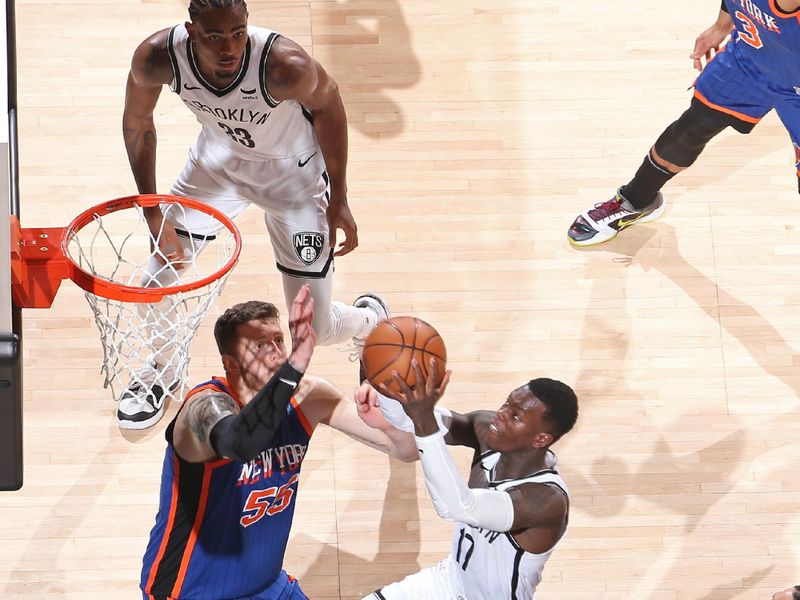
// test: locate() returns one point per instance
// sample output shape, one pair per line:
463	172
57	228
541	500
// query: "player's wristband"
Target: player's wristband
245	435
796	593
724	7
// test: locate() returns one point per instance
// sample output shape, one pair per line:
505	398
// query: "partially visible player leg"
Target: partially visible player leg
432	583
141	404
736	102
303	256
788	110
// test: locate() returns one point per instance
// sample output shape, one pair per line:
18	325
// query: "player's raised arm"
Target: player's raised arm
452	498
294	75
212	425
360	420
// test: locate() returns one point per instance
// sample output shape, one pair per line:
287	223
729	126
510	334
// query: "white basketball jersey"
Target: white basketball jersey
489	565
242	119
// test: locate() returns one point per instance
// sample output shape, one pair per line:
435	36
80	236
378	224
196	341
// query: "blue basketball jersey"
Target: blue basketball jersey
767	39
222	526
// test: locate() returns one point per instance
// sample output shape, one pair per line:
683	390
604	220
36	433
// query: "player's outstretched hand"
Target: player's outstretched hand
420	399
169	246
340	217
368	407
304	338
707	43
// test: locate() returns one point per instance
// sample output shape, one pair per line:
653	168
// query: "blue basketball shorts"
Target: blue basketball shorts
731	85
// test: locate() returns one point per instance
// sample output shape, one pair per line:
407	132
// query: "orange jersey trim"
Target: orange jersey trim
198	520
301	417
173	507
727	111
211	386
783	14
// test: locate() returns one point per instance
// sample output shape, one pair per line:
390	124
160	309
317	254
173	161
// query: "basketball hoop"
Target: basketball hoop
146	308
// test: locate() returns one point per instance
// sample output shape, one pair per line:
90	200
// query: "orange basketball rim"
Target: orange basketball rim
40	258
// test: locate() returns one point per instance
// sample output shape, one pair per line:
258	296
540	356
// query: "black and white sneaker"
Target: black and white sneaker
141	405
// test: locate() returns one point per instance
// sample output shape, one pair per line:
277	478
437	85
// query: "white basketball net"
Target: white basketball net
147	345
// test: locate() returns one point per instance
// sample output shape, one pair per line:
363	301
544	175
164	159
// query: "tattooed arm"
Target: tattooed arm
151	69
192	435
541	512
210	427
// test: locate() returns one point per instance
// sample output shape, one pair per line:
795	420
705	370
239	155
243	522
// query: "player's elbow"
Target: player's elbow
457	515
407	455
452	511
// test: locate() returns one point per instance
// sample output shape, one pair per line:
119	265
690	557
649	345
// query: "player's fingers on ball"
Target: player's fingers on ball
401	383
433	375
445	381
420	380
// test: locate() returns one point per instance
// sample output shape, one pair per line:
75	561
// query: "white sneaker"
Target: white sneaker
380	308
141	405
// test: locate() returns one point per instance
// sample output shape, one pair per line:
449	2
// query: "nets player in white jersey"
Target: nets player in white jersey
274	133
515	508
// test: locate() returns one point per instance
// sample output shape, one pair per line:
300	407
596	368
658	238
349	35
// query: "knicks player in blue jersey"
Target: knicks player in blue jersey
757	71
274	134
233	459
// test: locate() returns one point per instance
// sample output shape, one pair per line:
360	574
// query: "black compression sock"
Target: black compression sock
645	185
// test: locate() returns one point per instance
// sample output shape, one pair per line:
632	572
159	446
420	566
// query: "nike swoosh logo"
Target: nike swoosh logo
186	86
623	223
244	91
288	381
303	163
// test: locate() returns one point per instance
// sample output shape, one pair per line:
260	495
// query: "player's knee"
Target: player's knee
323	326
684	140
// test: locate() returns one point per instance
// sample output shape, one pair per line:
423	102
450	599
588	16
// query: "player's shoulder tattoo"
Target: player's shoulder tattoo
541	504
206	410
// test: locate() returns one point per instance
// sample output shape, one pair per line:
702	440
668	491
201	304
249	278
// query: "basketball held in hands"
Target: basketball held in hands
394	343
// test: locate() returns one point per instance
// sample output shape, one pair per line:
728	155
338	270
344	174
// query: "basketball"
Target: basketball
394	343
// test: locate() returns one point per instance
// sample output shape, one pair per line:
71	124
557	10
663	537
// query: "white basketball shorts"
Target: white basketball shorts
292	191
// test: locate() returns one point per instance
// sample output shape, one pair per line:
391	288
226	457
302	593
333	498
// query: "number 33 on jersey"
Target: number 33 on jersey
243	118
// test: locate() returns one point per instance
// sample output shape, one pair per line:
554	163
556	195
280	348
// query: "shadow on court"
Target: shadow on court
397	552
366	46
688	483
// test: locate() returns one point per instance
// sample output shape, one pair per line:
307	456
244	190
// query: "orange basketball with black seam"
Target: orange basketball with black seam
394	343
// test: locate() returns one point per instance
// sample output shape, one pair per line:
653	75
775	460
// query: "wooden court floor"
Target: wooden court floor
478	130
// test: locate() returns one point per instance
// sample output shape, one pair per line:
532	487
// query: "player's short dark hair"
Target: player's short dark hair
561	403
198	6
238	314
